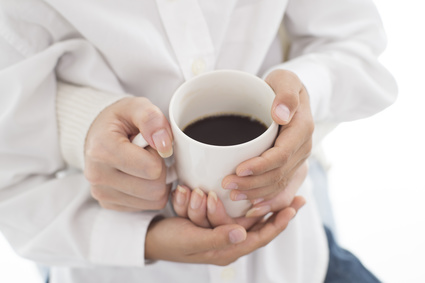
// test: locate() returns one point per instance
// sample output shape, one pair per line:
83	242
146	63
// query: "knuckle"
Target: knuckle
215	244
159	194
95	150
97	193
281	184
93	176
285	154
154	171
150	113
293	76
263	165
277	178
160	204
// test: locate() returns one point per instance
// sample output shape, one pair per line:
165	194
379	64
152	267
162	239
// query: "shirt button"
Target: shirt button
228	274
198	66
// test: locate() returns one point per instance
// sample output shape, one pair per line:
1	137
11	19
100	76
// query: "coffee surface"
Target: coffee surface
225	130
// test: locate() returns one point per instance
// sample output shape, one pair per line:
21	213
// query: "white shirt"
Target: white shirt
106	49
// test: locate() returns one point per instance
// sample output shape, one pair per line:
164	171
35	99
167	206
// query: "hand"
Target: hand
122	175
205	210
208	211
264	177
284	198
181	240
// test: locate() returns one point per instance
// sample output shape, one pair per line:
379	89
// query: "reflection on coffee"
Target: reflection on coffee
224	130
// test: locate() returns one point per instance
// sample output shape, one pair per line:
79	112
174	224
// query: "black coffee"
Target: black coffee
225	129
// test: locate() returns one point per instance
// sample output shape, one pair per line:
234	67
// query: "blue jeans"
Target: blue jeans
344	267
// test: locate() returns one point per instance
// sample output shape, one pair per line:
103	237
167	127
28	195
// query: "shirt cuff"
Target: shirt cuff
315	78
76	109
110	243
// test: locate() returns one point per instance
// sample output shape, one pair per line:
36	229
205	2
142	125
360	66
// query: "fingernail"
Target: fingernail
231	186
258	211
258	200
245	173
237	236
196	198
163	144
212	202
180	195
282	112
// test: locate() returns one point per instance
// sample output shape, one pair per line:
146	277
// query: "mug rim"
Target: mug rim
272	127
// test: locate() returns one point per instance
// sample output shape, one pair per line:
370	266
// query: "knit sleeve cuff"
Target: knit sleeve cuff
76	109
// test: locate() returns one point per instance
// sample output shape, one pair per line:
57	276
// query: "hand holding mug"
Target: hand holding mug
262	178
206	210
122	175
181	240
203	161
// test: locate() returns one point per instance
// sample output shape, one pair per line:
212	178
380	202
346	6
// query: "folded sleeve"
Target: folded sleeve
334	50
46	215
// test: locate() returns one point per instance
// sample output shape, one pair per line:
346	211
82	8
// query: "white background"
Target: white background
378	170
377	173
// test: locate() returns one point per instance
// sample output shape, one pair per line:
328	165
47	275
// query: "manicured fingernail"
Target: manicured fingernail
282	112
245	173
196	198
237	236
258	200
241	197
258	211
163	143
180	195
231	186
212	202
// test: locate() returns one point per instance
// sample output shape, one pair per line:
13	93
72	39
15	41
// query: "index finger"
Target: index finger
290	139
285	147
136	161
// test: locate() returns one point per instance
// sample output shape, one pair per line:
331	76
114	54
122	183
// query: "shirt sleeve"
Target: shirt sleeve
46	215
334	50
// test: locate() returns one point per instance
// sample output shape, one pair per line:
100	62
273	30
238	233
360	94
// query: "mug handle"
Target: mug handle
171	171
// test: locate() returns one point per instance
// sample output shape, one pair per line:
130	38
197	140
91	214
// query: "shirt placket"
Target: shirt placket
189	36
235	272
190	39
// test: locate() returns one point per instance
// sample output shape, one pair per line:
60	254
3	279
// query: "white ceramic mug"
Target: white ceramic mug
203	166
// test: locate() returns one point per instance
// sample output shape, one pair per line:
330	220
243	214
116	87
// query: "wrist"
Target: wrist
76	109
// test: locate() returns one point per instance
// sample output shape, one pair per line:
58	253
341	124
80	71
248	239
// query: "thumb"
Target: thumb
229	234
287	88
152	124
220	238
